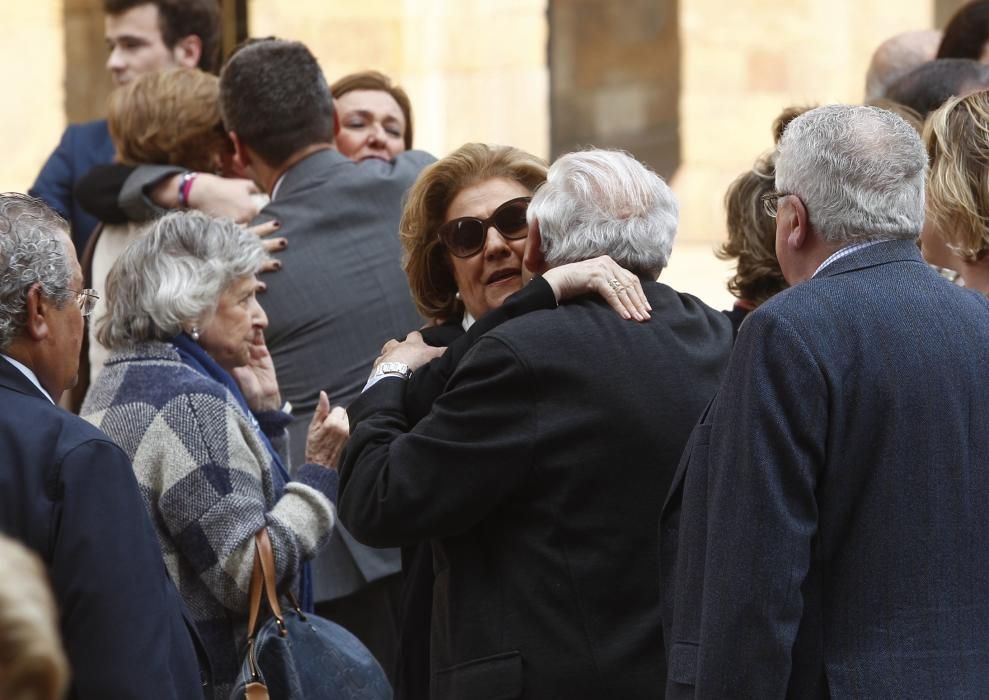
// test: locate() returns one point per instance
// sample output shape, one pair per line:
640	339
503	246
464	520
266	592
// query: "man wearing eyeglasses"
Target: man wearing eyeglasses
826	534
69	493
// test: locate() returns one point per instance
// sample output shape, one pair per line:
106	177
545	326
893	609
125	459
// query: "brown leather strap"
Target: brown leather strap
267	557
256	691
254	597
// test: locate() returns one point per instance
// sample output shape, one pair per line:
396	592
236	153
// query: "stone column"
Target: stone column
615	78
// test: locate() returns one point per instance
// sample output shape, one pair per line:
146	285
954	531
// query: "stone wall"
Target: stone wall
474	69
32	112
615	78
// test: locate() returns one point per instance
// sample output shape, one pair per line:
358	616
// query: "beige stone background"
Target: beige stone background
688	86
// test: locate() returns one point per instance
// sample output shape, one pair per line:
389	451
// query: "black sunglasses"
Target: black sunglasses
465	236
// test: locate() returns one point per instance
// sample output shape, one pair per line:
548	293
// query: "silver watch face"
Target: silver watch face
394	368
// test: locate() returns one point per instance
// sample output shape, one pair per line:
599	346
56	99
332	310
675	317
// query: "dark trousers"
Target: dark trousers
371	614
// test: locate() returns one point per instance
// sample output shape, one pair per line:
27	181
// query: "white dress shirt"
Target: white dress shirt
26	371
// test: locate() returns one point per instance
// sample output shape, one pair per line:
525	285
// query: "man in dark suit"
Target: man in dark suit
825	533
539	473
69	493
342	292
143	36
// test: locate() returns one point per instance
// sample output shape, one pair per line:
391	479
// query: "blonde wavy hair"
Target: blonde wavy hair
752	235
425	257
169	118
957	140
32	662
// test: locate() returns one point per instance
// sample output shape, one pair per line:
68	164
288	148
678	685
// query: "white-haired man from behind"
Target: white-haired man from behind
821	538
539	473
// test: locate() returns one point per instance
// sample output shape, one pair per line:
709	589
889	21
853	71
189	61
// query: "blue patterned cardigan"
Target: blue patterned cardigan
206	478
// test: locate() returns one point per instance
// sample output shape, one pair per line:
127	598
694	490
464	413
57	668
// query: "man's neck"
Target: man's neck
267	176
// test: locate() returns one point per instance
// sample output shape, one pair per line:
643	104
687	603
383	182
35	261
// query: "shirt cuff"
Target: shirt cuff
375	378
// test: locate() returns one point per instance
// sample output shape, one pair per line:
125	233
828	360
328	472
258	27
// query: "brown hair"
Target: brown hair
426	265
752	235
373	80
32	663
169	118
178	19
957	140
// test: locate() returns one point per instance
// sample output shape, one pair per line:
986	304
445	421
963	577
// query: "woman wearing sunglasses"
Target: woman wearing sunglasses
464	231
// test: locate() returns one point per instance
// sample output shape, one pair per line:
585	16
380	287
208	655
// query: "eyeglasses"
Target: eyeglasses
771	201
464	237
85	299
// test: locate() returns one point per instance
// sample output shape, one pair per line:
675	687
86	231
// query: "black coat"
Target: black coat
69	494
538	475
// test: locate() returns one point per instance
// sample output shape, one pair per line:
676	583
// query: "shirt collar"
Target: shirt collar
842	252
278	184
26	371
468	321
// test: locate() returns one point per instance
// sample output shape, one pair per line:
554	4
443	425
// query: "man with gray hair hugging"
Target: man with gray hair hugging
826	534
539	473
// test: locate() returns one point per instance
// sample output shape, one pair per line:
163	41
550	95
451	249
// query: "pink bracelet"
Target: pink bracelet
185	186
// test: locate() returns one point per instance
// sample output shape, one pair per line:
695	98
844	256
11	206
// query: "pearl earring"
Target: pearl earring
194	333
457	295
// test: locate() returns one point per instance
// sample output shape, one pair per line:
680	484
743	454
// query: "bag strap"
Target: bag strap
263	577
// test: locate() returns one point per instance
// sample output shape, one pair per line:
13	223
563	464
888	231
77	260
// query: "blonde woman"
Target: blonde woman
956	232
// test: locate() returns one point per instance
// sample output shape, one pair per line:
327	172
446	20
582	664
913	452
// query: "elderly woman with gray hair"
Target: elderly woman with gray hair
190	393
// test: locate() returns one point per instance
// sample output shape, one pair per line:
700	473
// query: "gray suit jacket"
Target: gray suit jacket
826	534
340	296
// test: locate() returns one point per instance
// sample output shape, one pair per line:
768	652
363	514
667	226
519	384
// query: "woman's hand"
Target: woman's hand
257	378
603	276
328	433
271	245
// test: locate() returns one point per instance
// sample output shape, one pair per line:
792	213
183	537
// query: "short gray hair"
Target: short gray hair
599	202
859	171
33	250
174	275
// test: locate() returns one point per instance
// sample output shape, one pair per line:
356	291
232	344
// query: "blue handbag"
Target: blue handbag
300	656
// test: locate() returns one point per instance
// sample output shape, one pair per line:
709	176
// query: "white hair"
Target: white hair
33	250
858	170
174	275
599	202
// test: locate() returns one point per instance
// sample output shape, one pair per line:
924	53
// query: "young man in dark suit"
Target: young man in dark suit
69	493
142	36
825	534
342	292
539	473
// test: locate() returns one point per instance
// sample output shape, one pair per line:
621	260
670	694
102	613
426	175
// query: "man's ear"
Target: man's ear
37	312
533	258
188	51
795	222
241	158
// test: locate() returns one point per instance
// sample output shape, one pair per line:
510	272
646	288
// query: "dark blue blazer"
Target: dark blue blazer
827	532
83	146
69	494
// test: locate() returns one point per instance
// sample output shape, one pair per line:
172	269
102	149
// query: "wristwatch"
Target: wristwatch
393	369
